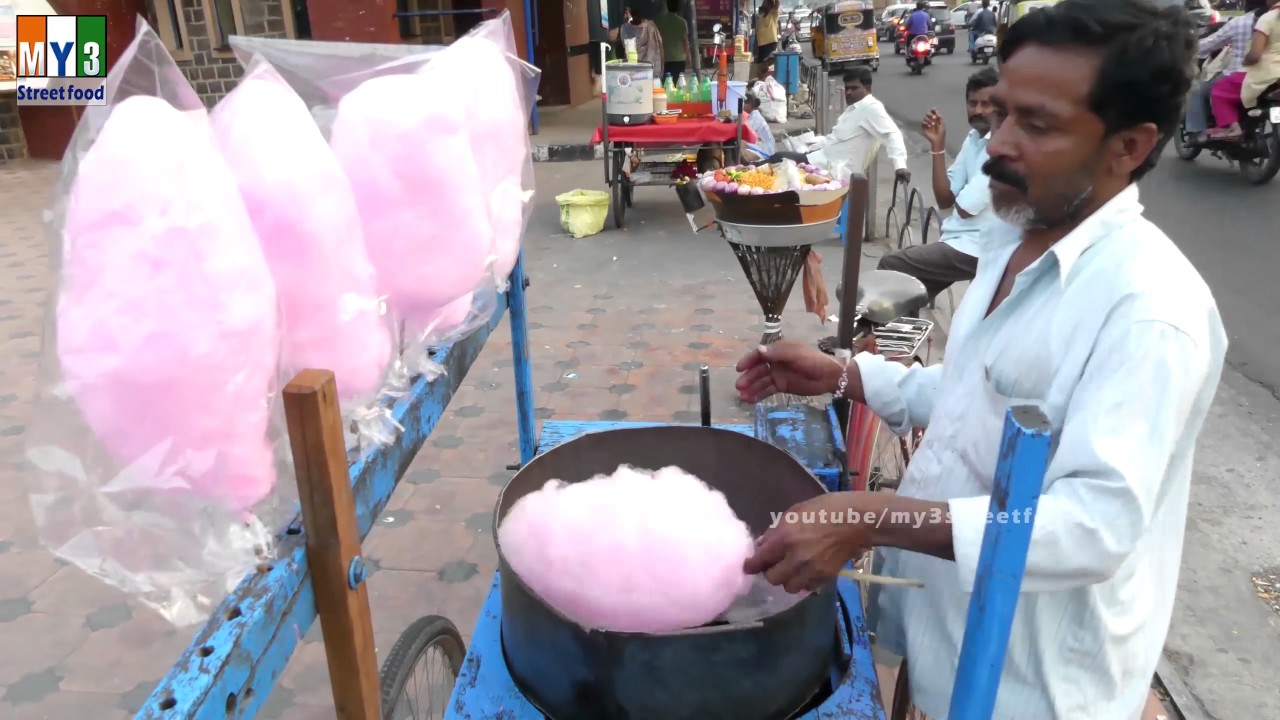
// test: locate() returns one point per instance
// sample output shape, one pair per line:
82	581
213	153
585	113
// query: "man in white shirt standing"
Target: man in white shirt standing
860	130
1081	306
963	189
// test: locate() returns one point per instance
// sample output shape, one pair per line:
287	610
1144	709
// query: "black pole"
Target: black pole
704	394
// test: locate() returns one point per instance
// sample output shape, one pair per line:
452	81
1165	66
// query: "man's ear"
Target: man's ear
1130	148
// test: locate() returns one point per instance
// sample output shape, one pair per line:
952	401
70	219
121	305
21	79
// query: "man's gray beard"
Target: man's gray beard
1025	218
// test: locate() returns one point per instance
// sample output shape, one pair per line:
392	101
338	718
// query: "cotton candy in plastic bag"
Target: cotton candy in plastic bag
152	444
305	215
635	551
494	207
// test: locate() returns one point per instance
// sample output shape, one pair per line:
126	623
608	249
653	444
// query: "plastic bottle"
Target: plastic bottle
706	88
682	85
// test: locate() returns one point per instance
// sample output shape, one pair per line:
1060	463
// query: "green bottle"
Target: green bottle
706	89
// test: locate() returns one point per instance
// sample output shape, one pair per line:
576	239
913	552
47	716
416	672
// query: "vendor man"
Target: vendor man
1082	306
860	130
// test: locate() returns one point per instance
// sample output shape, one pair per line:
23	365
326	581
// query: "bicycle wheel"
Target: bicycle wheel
888	460
413	687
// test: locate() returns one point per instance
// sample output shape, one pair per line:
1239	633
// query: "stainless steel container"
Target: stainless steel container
628	93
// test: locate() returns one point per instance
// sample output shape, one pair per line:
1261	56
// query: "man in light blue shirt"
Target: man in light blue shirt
963	188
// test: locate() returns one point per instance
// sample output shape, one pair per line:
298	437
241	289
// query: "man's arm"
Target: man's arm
902	397
1107	471
883	127
975	195
1218	40
947	181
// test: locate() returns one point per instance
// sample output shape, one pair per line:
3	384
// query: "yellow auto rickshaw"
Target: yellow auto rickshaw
1011	12
844	34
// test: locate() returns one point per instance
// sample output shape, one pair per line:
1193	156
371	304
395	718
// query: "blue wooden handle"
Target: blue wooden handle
1024	459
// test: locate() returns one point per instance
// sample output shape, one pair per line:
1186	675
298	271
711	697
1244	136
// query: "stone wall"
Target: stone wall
213	71
13	146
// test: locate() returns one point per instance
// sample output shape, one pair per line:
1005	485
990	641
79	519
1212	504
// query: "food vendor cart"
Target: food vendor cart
665	148
233	662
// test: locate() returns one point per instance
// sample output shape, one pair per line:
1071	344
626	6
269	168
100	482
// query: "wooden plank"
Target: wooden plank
236	658
333	542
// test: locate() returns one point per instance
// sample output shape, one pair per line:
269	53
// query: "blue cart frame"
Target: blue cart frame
234	661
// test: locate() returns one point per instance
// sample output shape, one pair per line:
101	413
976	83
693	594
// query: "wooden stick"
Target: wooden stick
870	579
333	542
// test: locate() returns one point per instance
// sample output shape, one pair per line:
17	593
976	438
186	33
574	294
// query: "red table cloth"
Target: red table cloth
695	131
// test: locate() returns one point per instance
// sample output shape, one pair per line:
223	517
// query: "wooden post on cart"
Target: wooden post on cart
333	542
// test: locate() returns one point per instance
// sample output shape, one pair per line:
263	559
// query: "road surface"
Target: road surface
1225	638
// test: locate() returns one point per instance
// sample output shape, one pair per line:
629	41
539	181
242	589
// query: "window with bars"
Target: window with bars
171	26
426	29
223	18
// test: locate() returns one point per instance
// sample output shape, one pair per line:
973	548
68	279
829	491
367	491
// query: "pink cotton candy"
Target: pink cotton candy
406	147
166	327
631	552
482	79
303	209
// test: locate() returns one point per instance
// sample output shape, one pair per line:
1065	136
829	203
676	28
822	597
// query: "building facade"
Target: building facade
196	33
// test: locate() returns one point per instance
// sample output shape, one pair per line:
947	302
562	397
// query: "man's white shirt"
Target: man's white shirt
858	133
1118	339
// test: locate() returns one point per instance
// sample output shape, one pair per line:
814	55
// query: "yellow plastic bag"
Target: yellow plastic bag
583	212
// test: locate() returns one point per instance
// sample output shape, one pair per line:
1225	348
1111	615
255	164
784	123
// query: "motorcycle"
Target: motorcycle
920	52
1256	151
984	48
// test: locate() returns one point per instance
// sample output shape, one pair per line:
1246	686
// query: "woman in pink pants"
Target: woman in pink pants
1242	89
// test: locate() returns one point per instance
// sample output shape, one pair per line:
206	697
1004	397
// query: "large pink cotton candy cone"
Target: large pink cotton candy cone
303	209
166	327
631	552
442	324
406	148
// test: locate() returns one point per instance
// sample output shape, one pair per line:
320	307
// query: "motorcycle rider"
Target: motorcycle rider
1235	36
984	23
919	22
963	188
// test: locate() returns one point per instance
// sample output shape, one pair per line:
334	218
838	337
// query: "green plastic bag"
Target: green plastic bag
583	212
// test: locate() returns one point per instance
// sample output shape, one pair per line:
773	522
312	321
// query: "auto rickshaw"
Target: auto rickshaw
844	34
1011	12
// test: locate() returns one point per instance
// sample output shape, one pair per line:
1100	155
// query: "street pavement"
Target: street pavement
1225	634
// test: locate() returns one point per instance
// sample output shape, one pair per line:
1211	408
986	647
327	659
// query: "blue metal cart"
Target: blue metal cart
234	661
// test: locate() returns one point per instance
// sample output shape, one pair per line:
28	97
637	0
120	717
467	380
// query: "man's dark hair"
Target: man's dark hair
981	80
1146	52
673	6
861	73
922	4
986	4
751	103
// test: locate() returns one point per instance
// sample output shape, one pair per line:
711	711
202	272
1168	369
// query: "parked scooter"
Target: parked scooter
920	52
984	48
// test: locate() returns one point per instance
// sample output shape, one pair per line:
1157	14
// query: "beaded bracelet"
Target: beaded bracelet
842	356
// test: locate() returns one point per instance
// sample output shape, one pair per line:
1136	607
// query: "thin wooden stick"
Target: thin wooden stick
870	579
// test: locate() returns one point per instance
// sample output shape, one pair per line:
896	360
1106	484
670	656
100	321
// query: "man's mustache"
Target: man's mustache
998	169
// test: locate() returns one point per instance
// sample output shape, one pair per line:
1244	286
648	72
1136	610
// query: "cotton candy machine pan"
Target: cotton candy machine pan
767	669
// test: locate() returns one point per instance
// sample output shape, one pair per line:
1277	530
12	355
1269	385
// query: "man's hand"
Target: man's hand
935	130
786	367
813	540
904	175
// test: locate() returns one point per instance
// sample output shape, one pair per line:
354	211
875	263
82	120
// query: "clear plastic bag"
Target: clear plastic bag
435	142
153	440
